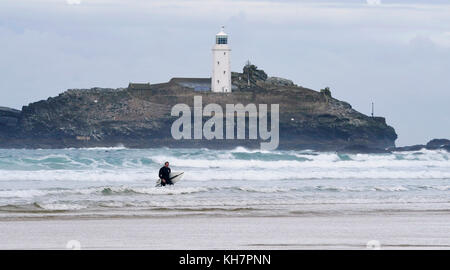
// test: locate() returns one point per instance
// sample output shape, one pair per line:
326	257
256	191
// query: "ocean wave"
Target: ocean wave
241	149
61	206
68	161
22	193
326	161
239	158
217	174
37	207
266	175
105	191
152	190
265	189
79	175
118	147
251	206
97	193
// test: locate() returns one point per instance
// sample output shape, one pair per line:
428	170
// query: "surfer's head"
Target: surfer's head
166	163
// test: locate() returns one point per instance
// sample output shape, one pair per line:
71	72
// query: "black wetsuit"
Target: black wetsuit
164	173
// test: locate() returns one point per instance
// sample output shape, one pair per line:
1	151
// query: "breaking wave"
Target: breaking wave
102	180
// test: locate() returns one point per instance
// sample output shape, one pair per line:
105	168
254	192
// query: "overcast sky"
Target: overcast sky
395	53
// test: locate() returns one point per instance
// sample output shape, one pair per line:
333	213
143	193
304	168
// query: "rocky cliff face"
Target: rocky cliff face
9	119
136	117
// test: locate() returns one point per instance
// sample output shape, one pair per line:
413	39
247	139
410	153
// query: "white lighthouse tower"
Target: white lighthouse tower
221	77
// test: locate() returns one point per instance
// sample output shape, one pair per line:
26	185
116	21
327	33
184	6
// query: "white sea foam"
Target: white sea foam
241	149
119	147
21	193
170	190
266	189
61	206
77	175
219	173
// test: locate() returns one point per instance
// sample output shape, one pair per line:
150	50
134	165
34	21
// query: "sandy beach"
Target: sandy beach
430	231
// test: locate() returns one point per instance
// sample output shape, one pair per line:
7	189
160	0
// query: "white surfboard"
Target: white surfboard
174	176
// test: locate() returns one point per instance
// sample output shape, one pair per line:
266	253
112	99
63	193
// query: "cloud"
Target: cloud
73	2
51	45
441	39
374	2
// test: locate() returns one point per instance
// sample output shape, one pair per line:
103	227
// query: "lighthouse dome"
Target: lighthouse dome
222	33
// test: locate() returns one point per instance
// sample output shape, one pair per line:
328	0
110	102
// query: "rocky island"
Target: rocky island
139	116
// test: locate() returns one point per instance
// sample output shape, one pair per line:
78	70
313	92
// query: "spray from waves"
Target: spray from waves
201	176
61	206
287	159
38	207
33	193
266	175
241	149
268	157
217	173
115	148
72	160
78	175
100	191
127	165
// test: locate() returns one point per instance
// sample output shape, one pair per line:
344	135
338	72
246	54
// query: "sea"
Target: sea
120	183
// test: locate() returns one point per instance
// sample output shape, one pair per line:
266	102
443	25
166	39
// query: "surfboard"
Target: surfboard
174	176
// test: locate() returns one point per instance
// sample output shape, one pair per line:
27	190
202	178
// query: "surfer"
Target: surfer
164	173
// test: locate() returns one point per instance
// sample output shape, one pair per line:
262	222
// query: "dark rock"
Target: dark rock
9	117
416	147
326	92
4	111
250	77
434	144
279	81
437	143
255	74
8	121
362	149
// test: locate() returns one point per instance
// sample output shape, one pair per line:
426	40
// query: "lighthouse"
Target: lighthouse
221	77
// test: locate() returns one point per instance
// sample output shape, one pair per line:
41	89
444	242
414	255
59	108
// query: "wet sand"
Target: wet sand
400	231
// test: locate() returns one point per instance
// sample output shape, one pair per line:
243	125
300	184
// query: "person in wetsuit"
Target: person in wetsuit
164	175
